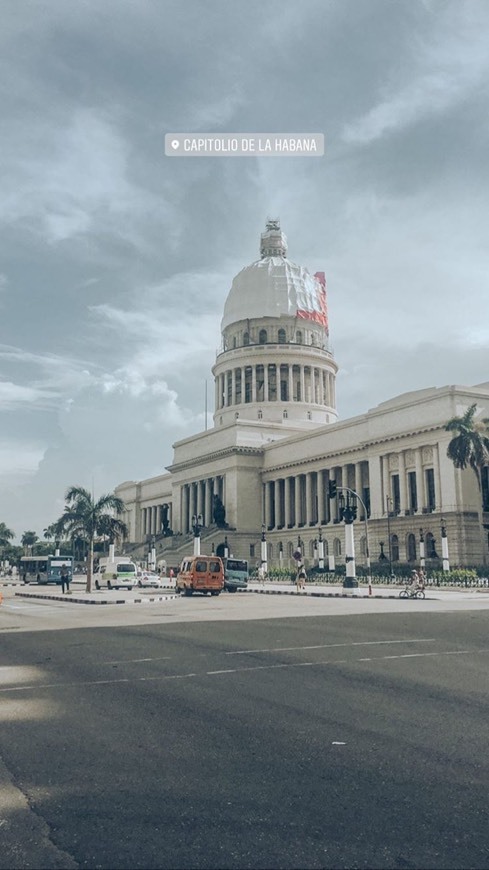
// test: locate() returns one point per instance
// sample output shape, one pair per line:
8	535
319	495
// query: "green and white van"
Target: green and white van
119	573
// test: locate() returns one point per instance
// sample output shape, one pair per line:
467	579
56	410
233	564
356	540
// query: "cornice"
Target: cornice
234	450
337	454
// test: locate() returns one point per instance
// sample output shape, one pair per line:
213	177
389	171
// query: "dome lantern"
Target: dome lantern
273	242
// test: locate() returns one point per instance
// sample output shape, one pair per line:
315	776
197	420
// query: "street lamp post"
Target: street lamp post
444	546
422	559
389	502
321	550
226	547
196	527
264	560
348	511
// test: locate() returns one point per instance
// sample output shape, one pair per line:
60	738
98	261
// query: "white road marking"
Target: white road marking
163	677
241	652
133	661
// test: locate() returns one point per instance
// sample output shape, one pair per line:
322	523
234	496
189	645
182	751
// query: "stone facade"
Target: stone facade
277	442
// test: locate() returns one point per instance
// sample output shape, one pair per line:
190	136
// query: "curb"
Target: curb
329	595
73	600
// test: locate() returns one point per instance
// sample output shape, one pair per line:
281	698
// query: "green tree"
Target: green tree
83	517
28	540
469	448
6	535
111	529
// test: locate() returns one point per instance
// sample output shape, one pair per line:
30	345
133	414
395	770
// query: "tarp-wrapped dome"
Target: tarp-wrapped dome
274	286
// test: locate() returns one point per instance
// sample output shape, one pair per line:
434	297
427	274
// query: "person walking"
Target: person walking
301	579
65	579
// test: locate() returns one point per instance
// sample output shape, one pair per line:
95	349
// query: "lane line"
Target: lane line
282	666
242	652
136	661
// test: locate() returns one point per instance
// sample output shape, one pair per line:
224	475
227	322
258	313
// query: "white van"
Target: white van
119	573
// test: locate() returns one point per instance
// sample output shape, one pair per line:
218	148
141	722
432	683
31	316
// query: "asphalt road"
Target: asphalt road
341	741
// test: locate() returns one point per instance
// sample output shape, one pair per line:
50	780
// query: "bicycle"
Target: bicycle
412	592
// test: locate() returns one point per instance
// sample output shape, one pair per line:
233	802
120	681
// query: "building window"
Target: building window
284	415
247	391
252	551
272	383
260	415
229	382
412	491
246	339
234	341
411	548
366	499
395	548
485	488
281	336
430	547
298	337
262	338
396	493
337	547
430	488
309	415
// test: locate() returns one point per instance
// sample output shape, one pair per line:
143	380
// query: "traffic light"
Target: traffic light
332	489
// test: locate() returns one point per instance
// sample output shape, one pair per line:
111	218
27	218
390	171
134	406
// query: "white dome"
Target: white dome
276	287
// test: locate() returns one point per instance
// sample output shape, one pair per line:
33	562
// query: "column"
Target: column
267	512
308	516
402	483
200	499
265	382
288	511
253	383
321	388
313	385
298	517
420	488
436	468
291	382
358	485
233	386
208	502
302	376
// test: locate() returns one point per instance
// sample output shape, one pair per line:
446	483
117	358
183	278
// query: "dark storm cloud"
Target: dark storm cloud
117	254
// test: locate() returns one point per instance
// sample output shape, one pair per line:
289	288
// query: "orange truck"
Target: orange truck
201	574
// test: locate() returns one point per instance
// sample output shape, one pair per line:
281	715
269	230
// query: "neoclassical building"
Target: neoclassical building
276	443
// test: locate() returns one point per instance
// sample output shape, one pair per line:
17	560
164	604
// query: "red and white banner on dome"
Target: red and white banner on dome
313	305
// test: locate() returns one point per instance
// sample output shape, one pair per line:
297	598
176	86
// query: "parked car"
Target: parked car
151	580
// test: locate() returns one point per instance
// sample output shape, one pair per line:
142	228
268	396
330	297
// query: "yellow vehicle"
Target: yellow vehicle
201	574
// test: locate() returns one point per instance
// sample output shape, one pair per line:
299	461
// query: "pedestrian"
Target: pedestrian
172	576
65	579
301	578
262	573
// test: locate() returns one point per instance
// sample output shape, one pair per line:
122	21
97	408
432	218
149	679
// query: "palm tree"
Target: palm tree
28	540
83	517
6	536
111	529
469	448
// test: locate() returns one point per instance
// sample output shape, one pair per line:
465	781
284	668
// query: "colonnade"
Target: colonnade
282	382
197	498
410	479
301	500
152	518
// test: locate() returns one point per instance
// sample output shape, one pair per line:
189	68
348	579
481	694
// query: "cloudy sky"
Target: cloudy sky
116	260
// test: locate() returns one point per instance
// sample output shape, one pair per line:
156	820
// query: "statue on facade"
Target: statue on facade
165	523
219	512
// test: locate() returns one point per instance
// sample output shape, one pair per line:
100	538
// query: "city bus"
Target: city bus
44	569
